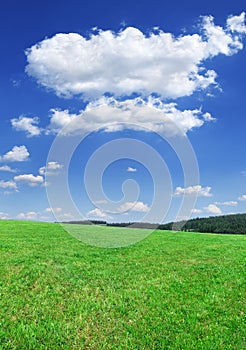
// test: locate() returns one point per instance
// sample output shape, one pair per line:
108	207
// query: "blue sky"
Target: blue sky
122	83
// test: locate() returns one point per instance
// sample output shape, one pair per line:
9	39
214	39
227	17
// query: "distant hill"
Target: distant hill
235	223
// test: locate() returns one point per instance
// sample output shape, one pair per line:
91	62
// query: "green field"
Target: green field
169	291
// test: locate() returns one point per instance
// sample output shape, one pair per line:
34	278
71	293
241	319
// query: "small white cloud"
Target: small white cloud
8	184
8	168
228	203
208	117
101	201
51	168
237	23
197	190
29	179
213	209
131	170
134	206
27	124
17	154
53	210
31	215
242	198
196	211
4	216
98	213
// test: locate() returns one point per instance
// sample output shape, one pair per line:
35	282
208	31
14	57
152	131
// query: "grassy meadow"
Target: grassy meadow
169	291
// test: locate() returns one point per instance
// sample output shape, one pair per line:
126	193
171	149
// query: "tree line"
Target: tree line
235	223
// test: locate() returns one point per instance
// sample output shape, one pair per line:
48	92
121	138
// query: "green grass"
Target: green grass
169	291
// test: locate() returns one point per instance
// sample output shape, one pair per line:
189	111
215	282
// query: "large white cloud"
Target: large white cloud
17	154
112	115
131	61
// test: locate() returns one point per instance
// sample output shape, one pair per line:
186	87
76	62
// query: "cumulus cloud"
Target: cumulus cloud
197	190
242	198
99	213
27	124
8	184
8	168
134	206
17	154
213	209
131	169
51	168
31	215
236	23
112	115
158	62
29	179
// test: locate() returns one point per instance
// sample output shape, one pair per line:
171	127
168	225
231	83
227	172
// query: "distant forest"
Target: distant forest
235	223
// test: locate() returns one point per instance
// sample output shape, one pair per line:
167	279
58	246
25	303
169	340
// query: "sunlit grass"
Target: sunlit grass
169	291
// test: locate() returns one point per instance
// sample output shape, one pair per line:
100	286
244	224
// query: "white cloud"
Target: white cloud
131	170
159	62
101	201
236	23
134	206
196	211
31	215
51	168
197	190
17	154
29	179
228	203
220	40
8	168
53	210
98	213
213	209
112	115
8	184
27	124
242	198
4	216
208	117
